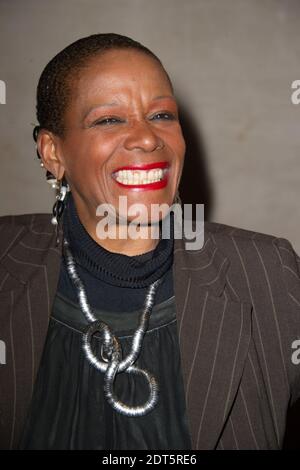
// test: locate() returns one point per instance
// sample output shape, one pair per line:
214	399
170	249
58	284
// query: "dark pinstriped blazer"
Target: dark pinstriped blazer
238	313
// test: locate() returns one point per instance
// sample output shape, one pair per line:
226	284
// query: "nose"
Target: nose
142	137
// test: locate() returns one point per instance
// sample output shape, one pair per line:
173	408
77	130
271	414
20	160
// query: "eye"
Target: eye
106	121
165	116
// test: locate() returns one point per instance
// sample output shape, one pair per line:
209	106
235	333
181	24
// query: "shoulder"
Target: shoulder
232	231
259	253
244	237
26	220
32	229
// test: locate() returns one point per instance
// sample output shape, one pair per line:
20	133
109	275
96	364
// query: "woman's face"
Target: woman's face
122	115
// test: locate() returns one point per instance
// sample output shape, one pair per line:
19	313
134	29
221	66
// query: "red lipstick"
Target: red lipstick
141	166
145	187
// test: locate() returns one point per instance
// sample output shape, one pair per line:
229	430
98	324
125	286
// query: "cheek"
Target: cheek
87	156
179	149
182	147
177	143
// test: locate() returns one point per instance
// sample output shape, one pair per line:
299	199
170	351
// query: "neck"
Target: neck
116	268
120	240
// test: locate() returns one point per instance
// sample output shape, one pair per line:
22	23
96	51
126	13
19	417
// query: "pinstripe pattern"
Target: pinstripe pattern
238	312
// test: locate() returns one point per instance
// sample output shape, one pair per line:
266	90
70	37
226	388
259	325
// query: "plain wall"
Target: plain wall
232	63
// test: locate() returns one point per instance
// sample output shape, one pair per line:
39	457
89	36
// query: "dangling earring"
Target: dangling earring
59	205
61	186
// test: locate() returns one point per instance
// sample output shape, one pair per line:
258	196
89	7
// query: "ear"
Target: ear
48	148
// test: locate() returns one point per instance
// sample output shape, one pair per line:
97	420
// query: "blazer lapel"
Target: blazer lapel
214	334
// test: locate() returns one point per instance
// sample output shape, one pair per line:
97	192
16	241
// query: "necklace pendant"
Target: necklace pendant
111	351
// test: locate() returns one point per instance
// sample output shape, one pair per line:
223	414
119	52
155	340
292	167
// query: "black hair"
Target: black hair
55	84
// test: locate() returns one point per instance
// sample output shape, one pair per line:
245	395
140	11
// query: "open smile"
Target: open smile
151	176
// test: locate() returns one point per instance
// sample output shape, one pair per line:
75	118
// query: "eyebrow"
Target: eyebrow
114	103
161	97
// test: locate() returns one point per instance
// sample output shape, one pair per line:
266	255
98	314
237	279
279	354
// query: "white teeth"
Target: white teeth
140	176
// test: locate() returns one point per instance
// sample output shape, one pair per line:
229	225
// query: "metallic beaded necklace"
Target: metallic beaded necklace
111	350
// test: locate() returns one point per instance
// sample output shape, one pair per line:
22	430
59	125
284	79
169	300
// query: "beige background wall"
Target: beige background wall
232	63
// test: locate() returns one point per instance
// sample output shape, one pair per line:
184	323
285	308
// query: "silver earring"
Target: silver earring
59	205
52	180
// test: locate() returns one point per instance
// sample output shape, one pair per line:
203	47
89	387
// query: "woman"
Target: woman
121	343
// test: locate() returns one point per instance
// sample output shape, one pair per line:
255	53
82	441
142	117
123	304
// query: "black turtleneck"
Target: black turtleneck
114	281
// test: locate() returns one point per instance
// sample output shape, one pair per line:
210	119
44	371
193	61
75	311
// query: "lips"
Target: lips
149	166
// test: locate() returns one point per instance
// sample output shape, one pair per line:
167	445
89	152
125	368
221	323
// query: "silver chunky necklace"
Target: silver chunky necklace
111	350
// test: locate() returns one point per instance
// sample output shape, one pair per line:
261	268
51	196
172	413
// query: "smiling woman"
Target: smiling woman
121	117
125	343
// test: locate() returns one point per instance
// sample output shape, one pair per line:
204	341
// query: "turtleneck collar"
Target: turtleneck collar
114	268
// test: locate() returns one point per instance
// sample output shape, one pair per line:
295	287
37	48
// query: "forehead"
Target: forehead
118	69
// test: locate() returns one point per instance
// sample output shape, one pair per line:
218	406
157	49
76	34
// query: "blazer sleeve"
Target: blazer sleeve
290	265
